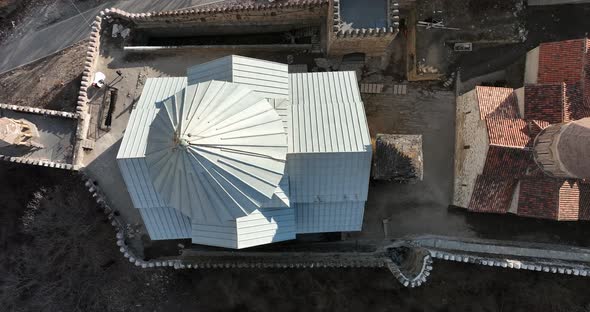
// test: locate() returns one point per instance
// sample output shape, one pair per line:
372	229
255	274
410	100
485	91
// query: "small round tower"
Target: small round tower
563	150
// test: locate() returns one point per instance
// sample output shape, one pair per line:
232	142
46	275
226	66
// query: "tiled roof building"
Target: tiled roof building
529	160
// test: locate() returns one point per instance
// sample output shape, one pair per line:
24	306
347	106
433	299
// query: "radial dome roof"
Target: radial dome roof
216	151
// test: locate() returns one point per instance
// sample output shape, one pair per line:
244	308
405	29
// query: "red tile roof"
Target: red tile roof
574	105
564	71
562	61
508	132
538	197
492	194
562	94
584	200
544	102
554	198
494	188
569	201
497	102
507	162
535	126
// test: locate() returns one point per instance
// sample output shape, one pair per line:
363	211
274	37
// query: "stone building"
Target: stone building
317	23
524	151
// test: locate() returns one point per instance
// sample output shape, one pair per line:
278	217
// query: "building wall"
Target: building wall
266	226
234	21
546	153
165	223
531	71
374	45
269	79
329	217
514	203
469	162
328	177
139	183
520	99
372	41
220	235
569	201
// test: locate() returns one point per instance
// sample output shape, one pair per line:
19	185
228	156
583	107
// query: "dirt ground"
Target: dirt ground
20	16
59	254
52	82
477	21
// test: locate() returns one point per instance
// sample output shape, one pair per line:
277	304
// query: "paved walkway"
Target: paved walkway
34	45
556	2
505	248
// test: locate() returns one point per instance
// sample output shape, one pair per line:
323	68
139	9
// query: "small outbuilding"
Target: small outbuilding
398	157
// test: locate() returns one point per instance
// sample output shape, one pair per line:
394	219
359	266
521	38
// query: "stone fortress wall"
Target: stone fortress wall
370	41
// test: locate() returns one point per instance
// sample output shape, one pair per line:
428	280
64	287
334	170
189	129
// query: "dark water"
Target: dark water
364	14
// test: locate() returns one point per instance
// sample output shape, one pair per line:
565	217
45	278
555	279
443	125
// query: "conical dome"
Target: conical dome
216	151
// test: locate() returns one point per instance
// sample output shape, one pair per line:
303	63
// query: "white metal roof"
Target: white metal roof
328	177
315	122
219	145
329	217
269	79
155	90
327	114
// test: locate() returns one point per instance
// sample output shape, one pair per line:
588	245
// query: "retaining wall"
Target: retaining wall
231	19
38	162
531	265
39	111
90	61
415	281
511	255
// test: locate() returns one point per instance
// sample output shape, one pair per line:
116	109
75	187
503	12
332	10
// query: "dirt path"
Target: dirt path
51	83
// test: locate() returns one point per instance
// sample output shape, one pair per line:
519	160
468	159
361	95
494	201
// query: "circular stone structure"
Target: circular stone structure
562	150
216	151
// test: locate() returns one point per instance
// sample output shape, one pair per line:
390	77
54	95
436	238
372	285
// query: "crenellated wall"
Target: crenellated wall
87	77
371	41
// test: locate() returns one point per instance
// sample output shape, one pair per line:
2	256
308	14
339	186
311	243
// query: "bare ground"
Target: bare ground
51	82
21	16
